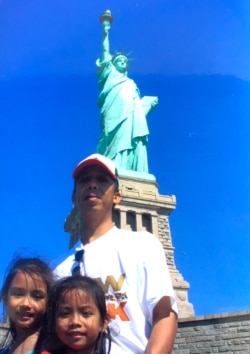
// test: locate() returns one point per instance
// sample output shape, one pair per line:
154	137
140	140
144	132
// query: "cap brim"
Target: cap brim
92	162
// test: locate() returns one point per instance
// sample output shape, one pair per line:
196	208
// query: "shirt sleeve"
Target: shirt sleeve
158	282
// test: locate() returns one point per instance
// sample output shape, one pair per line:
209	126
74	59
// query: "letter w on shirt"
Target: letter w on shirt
110	281
117	308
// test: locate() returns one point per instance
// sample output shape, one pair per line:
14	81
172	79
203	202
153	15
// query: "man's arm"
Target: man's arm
164	329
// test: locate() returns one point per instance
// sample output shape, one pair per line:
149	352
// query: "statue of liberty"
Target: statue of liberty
124	129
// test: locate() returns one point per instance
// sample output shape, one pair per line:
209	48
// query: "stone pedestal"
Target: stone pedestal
143	208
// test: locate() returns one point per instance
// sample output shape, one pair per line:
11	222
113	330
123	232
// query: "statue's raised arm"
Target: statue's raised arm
124	129
106	19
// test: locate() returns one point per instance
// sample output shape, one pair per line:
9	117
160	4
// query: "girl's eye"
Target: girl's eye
86	314
17	294
62	313
39	296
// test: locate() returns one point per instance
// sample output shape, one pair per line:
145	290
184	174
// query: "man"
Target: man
130	266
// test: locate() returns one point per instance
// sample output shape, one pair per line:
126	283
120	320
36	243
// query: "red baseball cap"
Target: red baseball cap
96	159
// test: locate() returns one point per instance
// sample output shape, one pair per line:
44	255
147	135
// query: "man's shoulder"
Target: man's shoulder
136	237
136	234
63	269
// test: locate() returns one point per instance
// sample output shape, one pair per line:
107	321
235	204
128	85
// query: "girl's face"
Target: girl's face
78	322
26	301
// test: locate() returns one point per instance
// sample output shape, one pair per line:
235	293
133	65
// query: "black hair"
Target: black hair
58	291
32	266
116	185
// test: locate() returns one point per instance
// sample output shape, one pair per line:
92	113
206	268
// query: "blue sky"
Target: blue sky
194	55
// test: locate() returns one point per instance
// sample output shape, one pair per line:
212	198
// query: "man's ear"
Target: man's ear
117	198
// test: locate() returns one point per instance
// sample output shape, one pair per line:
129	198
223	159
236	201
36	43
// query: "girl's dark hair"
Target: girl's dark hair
92	288
32	267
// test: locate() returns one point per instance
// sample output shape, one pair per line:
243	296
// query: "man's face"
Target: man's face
95	190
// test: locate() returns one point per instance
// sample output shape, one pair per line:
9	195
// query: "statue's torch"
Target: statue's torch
106	19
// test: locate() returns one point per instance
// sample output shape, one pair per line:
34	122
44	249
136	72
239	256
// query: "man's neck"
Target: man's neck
93	231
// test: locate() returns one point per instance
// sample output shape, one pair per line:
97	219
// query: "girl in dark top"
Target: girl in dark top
24	297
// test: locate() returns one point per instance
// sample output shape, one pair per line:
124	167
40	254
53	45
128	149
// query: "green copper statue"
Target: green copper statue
124	129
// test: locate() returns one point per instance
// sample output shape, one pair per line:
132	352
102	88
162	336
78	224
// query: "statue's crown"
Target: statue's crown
120	54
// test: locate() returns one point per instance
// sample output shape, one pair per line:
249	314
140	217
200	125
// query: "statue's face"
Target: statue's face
121	64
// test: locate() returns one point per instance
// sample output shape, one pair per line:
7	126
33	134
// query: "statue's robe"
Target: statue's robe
124	129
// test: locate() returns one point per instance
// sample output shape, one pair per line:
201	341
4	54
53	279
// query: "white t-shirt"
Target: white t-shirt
131	268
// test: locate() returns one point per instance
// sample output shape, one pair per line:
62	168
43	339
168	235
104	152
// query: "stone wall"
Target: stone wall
225	333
